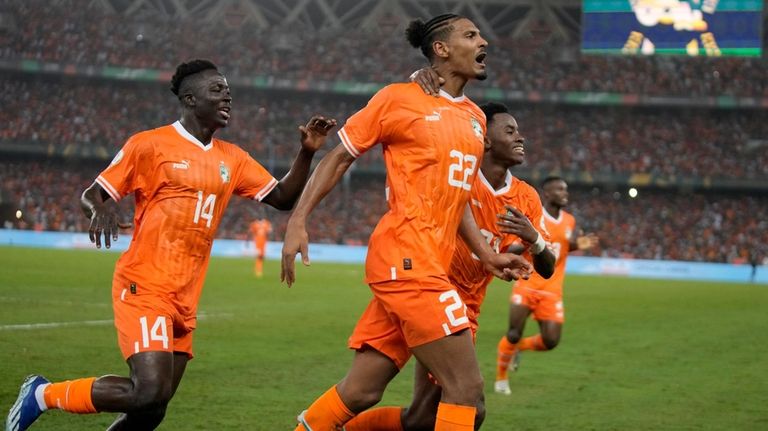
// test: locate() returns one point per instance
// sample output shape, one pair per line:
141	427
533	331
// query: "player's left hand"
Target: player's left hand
585	242
313	134
516	223
508	266
296	241
428	80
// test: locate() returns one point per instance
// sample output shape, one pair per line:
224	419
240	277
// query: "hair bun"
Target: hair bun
416	32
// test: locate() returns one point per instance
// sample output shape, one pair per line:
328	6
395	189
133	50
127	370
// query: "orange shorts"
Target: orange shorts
544	305
408	313
147	322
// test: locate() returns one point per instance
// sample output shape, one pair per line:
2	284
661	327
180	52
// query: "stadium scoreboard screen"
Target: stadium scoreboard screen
694	27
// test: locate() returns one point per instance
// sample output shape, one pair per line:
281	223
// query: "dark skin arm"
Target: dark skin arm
287	191
506	266
100	209
516	223
327	174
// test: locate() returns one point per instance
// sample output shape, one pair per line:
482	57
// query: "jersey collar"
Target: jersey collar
445	94
552	219
505	188
188	136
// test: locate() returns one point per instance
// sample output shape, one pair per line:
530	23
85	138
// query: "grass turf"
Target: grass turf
635	354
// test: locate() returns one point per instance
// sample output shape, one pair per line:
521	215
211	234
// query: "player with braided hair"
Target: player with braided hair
432	150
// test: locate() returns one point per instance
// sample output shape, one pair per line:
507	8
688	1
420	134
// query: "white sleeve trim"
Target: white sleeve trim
111	191
348	144
266	190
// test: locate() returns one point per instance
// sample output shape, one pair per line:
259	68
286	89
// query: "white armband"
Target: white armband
538	246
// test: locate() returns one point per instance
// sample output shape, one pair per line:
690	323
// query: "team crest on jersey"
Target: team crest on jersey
118	157
224	172
477	129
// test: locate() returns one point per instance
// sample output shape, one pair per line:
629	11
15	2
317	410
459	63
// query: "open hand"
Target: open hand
105	222
428	80
516	223
313	134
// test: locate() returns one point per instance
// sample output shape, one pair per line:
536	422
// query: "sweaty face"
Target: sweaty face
507	144
556	193
467	50
213	99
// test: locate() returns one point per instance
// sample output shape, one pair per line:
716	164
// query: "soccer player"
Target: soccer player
543	298
182	179
260	229
432	147
495	191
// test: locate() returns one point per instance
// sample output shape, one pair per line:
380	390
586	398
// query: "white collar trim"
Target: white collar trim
445	94
552	219
188	136
504	189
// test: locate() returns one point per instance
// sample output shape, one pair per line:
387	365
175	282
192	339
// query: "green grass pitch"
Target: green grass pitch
635	354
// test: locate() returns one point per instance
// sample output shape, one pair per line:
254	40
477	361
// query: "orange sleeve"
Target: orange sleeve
253	180
129	169
366	127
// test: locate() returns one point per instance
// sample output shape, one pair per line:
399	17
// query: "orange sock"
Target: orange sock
380	419
453	417
327	413
259	266
504	352
73	396
532	343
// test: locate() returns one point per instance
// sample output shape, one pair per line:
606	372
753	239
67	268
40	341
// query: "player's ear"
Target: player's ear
486	143
440	48
188	100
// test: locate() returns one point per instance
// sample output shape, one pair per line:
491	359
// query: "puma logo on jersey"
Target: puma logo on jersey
183	165
477	203
434	117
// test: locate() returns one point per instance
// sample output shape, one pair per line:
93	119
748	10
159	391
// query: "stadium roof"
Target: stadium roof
517	18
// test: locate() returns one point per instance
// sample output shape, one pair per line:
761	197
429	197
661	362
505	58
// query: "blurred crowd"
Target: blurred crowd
654	225
87	117
80	32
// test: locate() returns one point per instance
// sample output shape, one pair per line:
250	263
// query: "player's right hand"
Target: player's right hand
428	80
296	241
104	221
509	266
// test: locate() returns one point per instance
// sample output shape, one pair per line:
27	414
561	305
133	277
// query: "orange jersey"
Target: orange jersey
181	188
260	229
467	273
560	231
432	148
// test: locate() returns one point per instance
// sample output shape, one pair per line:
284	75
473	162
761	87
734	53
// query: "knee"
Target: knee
514	335
467	391
551	342
152	398
358	397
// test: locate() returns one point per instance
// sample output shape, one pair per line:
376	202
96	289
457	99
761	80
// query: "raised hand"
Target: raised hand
428	80
313	134
516	223
585	242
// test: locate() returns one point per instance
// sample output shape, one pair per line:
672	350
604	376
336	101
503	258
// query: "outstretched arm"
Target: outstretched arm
327	174
313	135
506	266
95	204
